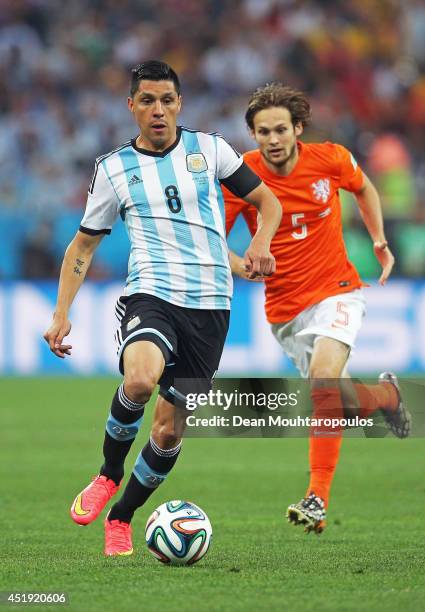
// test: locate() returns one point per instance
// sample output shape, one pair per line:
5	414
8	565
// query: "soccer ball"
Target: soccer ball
178	533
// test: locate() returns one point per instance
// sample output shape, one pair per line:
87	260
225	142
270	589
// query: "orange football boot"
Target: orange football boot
90	502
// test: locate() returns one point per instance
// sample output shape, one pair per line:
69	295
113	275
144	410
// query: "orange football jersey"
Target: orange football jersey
311	260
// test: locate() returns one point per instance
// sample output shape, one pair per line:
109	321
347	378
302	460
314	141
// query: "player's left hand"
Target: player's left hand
258	260
385	258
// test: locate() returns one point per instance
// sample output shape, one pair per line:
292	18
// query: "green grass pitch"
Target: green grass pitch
371	557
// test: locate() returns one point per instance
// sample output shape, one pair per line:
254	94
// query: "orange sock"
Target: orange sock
325	442
376	397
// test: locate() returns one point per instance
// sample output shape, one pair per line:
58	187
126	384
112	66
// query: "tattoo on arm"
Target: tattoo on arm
77	268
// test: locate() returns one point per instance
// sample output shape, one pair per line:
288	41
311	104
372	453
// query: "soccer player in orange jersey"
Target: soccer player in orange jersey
314	301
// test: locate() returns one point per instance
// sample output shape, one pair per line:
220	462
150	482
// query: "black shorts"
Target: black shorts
190	339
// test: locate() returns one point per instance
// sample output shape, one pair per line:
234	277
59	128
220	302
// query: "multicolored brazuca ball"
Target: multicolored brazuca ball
178	533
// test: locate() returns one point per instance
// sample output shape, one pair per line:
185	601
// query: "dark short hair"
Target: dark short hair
280	95
152	70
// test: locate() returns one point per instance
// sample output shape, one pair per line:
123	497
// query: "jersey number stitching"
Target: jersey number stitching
345	316
295	223
173	200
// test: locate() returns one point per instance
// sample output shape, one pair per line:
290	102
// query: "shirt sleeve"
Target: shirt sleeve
351	176
102	206
228	159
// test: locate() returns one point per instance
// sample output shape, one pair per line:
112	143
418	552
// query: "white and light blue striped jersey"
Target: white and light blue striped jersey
172	206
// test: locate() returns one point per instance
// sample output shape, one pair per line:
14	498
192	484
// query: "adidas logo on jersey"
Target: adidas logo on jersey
135	180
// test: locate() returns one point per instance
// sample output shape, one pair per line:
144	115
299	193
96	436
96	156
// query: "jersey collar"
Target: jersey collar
162	153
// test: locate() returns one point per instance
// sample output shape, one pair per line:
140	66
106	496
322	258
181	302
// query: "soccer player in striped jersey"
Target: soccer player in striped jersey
174	311
314	302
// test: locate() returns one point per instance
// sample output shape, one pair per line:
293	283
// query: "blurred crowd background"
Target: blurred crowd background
64	73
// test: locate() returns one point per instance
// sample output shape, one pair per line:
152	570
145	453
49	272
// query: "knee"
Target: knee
165	435
139	386
323	376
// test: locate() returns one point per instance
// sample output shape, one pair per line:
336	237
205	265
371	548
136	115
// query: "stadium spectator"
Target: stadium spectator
38	258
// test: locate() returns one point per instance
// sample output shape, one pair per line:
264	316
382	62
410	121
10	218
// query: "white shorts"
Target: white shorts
338	317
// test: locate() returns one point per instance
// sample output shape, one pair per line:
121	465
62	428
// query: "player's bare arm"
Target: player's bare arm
258	259
371	212
74	268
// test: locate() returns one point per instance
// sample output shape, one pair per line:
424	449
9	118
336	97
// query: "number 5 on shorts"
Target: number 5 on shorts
344	316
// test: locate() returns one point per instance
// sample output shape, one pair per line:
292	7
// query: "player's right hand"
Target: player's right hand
55	334
385	258
239	268
259	261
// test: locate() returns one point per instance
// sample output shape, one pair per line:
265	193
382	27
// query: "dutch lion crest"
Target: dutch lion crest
321	190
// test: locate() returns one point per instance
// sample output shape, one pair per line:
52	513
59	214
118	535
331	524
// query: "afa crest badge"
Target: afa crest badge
196	162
